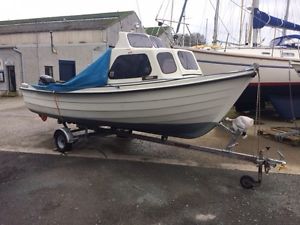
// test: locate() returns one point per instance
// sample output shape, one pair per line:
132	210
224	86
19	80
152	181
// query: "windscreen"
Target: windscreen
139	40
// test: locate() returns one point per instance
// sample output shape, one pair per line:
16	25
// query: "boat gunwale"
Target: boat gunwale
250	72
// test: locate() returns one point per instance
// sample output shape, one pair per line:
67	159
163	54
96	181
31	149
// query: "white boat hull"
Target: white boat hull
272	69
187	108
277	78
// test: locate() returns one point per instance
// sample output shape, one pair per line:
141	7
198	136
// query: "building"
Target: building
57	46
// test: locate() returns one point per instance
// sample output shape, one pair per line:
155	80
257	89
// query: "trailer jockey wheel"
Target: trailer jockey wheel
247	182
61	141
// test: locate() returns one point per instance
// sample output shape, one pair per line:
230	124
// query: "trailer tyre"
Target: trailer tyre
247	182
61	141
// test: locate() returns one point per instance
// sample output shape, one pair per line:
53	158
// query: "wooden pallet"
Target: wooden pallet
288	135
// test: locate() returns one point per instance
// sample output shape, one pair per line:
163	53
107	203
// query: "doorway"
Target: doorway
66	70
12	86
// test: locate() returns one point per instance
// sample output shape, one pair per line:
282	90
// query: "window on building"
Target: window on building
130	66
166	62
49	70
187	60
2	79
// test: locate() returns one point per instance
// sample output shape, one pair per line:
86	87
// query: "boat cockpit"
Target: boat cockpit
287	41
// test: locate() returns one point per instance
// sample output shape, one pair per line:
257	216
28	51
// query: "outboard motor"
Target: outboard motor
239	128
46	79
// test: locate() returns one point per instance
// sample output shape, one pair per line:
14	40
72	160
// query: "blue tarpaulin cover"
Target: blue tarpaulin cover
261	19
95	75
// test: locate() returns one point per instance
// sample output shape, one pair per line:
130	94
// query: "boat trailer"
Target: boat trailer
65	137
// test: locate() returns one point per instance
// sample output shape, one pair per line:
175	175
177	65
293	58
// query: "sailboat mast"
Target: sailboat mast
206	30
286	16
172	8
216	20
253	32
241	22
182	13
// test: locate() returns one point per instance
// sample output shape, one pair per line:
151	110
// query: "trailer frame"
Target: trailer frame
65	137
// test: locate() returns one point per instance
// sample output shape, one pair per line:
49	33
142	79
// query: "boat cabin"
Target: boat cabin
138	56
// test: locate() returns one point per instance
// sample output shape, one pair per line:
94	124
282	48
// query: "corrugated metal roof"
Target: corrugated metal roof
77	22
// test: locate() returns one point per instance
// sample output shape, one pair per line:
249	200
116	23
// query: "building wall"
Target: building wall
35	58
83	47
59	37
37	50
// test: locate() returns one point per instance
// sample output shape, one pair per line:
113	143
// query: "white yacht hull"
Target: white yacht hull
278	79
272	69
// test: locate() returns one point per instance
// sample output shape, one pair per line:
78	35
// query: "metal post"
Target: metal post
241	22
216	21
180	18
253	32
286	16
206	30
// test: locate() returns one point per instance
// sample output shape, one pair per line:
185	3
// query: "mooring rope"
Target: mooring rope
291	97
258	112
56	103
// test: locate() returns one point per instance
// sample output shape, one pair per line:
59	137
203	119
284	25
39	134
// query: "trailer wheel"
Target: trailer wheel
247	182
123	133
61	141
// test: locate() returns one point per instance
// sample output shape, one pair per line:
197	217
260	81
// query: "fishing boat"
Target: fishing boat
140	85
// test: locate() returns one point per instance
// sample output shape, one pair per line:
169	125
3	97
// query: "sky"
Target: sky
198	12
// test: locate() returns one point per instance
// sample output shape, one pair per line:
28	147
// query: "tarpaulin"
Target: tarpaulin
95	75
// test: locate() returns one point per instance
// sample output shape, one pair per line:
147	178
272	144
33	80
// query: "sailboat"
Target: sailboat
279	80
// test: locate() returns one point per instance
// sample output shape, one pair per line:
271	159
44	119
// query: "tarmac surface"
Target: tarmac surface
110	180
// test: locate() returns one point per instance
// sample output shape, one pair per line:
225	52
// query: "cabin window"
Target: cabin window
187	60
166	62
130	66
139	40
